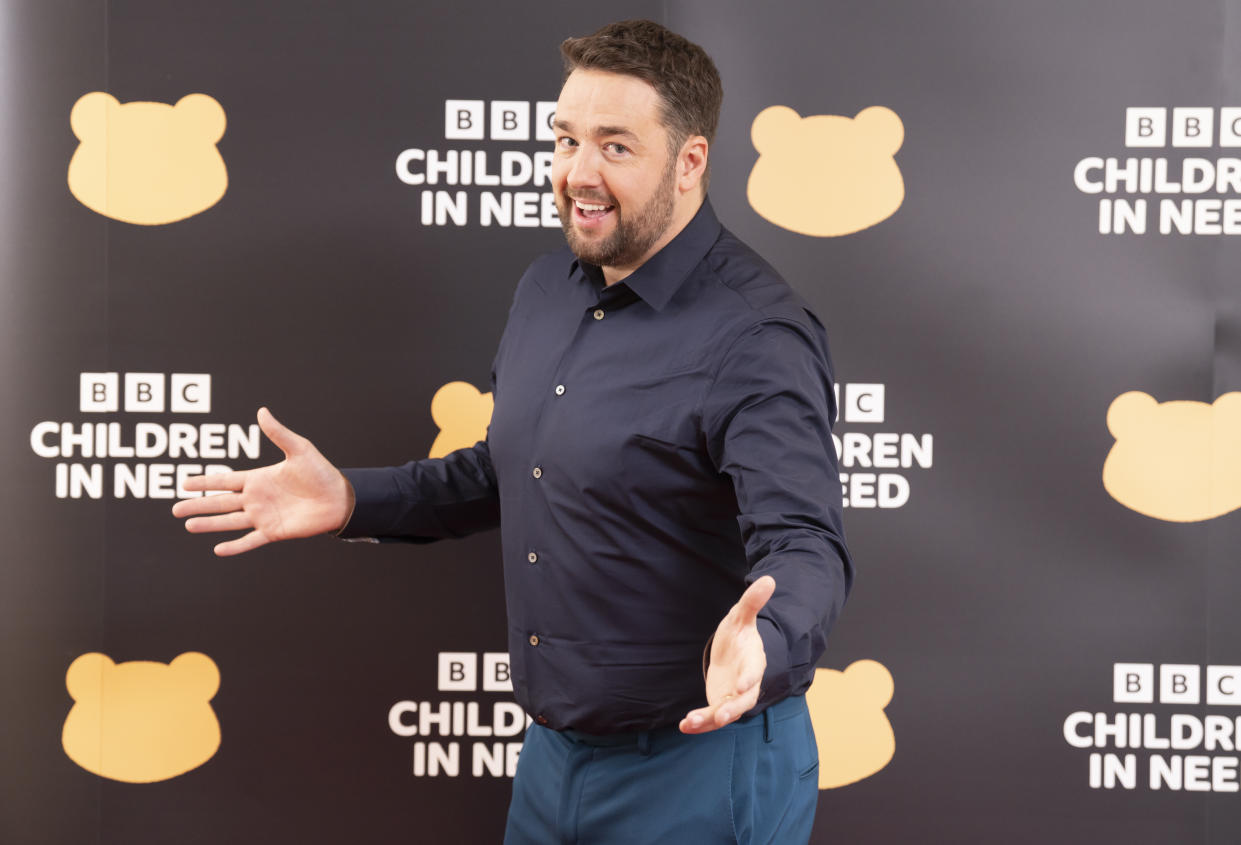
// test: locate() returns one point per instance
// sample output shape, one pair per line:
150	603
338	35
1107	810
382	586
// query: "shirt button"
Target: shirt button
541	719
537	472
532	557
534	639
560	390
598	313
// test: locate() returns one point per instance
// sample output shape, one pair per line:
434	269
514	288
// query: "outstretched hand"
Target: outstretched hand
737	663
301	496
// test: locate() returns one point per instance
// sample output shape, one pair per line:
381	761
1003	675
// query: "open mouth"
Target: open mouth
591	212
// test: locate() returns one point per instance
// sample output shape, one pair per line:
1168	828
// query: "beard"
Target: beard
635	231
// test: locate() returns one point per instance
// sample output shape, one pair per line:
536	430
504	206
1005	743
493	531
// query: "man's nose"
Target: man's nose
584	173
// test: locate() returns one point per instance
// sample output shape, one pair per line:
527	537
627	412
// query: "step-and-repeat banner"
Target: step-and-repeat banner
1017	221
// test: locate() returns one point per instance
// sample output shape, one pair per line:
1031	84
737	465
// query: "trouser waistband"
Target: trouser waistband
786	708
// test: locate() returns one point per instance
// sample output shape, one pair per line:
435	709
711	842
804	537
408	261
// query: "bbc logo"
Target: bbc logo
466	120
458	672
863	403
187	393
1187	127
1179	683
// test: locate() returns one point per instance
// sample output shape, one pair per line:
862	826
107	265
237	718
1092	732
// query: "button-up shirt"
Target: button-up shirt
656	445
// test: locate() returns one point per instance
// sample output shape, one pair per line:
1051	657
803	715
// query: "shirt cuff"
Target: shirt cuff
376	505
775	684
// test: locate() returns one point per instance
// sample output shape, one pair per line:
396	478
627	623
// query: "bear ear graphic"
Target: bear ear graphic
83	678
206	114
871	679
1127	408
1229	403
198	671
884	126
772	123
89	114
449	401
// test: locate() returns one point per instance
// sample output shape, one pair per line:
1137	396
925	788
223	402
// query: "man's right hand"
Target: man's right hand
301	496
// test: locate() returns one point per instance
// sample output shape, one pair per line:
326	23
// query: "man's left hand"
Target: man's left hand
736	665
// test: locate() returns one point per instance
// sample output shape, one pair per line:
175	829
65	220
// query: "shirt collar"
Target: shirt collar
659	278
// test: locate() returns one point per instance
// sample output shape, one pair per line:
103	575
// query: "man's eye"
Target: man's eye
566	141
619	149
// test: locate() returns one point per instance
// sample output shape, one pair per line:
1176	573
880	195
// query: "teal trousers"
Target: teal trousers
753	782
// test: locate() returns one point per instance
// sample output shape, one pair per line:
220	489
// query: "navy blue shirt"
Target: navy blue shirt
655	446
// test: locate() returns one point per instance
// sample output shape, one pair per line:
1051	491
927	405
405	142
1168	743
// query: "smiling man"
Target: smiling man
660	464
618	175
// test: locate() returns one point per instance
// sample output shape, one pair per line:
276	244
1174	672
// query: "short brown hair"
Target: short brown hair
680	71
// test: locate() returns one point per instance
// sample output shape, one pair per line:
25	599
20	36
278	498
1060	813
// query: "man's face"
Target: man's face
613	175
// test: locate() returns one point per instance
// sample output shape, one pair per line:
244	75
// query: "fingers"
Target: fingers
734	706
242	544
286	439
223	503
236	521
216	481
754	599
698	721
731	710
716	716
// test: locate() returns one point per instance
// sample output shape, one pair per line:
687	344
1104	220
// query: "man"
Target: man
660	439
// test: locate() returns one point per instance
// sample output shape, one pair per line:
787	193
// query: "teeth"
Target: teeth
585	206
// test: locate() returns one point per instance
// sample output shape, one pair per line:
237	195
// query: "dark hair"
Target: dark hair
680	71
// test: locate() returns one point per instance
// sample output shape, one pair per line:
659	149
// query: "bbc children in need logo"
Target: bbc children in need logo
1151	741
1172	183
467	182
105	452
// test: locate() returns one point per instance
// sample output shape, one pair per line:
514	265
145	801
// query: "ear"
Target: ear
83	678
204	113
89	114
692	163
884	126
771	124
198	672
1126	408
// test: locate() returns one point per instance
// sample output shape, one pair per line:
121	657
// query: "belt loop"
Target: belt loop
644	743
767	725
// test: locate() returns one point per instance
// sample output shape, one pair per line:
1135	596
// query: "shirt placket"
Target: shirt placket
558	390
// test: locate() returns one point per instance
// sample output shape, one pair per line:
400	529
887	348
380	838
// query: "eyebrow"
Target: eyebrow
599	131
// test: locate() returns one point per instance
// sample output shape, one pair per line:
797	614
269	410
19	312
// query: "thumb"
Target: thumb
286	439
754	599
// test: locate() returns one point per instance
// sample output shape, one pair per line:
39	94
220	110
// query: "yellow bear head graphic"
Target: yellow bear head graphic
1177	461
462	413
147	163
140	721
826	175
854	735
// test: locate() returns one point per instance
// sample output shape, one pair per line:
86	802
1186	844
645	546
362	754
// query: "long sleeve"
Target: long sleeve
426	500
767	420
